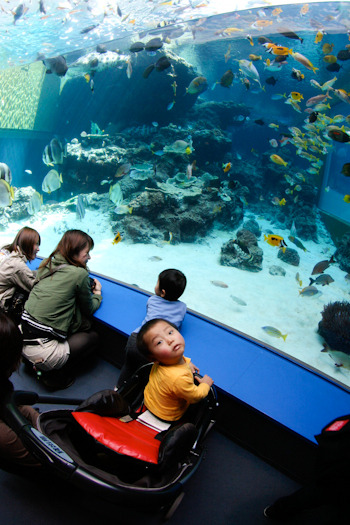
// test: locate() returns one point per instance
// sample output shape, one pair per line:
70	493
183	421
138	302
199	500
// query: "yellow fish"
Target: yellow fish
282	202
274	332
298	280
330	59
327	48
117	238
280	50
275	240
319	37
254	58
87	77
346	198
296	96
278	160
230	30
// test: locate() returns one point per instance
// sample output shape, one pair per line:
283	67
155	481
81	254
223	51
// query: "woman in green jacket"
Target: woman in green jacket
56	320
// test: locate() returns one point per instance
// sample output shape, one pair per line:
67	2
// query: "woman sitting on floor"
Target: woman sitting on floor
15	276
56	322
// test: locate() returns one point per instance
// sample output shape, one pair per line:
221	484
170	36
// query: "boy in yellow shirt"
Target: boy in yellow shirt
170	389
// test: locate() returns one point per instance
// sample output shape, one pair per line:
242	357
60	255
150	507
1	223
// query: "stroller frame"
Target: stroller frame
56	455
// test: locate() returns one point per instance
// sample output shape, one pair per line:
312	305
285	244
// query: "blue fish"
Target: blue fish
171	105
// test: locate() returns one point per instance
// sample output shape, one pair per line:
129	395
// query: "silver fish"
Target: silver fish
220	284
309	291
5	173
322	279
238	300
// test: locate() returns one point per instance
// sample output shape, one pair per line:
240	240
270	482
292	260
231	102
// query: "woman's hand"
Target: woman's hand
97	288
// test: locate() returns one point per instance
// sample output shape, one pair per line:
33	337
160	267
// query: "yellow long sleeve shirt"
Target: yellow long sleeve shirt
170	390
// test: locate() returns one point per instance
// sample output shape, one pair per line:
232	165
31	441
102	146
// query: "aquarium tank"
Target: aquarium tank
210	136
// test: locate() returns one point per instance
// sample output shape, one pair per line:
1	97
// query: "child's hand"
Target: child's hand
194	368
205	379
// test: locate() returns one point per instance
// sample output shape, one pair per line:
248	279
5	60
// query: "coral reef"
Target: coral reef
253	227
335	326
271	186
289	256
243	252
277	270
18	211
342	254
185	213
217	114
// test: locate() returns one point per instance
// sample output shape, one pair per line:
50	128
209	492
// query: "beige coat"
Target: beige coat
14	272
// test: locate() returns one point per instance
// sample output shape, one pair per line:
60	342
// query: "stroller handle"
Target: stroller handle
42	447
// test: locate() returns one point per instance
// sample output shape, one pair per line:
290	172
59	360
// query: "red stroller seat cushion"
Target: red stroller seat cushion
130	439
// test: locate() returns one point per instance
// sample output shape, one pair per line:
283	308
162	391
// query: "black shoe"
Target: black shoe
267	512
56	382
29	367
271	513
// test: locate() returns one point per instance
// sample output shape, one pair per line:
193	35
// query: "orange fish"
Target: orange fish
280	50
304	9
276	11
260	24
117	238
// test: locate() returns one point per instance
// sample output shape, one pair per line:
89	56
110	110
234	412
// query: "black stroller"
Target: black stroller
102	446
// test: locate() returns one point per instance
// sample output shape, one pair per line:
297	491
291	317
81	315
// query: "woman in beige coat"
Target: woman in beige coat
15	275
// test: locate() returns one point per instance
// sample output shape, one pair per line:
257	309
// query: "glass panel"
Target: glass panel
191	135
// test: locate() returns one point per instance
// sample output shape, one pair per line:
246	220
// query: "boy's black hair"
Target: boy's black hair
173	282
140	342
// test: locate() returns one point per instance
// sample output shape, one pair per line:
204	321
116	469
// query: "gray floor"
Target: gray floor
231	486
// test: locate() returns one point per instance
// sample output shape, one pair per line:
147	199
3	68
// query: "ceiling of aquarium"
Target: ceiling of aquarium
46	28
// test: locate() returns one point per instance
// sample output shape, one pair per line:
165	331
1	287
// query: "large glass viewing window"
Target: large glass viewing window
194	136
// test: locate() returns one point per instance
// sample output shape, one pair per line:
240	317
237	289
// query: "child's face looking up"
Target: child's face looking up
165	344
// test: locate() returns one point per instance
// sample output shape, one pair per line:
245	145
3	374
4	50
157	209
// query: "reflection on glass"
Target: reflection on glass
218	145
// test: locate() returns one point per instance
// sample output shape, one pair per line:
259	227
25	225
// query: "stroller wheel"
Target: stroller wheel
171	509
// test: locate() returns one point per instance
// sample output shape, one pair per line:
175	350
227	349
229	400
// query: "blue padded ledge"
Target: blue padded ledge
275	385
